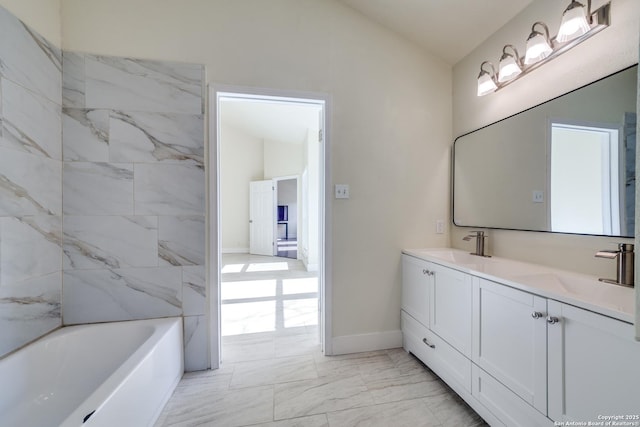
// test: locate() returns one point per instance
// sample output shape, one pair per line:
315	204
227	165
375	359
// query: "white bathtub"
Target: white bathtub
124	371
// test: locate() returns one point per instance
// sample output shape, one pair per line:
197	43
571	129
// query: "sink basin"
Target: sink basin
455	256
583	288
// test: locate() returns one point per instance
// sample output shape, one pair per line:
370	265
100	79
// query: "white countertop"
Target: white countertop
575	289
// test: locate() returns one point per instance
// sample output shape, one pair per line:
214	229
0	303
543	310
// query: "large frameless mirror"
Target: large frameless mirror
565	166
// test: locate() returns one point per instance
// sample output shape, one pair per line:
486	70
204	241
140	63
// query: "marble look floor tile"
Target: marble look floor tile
196	353
410	413
203	382
156	137
110	241
169	189
143	85
310	421
298	344
273	371
29	59
181	240
231	409
309	397
396	388
29	310
29	185
361	363
121	294
452	411
97	188
30	122
194	296
85	135
241	348
30	246
407	363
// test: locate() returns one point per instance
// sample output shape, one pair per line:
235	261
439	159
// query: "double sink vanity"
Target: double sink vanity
523	344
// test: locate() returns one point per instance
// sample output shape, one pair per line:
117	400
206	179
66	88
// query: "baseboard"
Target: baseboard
235	250
367	342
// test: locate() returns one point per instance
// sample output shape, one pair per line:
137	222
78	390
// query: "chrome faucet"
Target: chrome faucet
625	261
480	237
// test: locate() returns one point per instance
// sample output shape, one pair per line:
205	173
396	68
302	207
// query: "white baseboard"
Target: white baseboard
235	250
367	342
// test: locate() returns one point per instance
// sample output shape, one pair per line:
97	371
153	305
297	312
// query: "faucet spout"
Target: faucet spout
480	238
624	257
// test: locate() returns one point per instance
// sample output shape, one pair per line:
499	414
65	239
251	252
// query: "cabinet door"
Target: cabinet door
416	280
510	339
450	311
594	366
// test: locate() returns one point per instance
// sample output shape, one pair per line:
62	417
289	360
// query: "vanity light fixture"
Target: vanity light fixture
486	80
574	21
510	64
538	44
578	24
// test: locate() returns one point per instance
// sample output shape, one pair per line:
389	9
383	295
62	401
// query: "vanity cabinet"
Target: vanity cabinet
436	319
450	307
510	339
518	358
594	366
416	283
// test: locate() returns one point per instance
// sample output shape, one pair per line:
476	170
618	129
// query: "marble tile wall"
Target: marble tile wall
30	184
134	193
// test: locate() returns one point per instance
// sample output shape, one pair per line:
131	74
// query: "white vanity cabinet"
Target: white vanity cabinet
510	339
594	366
436	319
521	355
416	283
450	307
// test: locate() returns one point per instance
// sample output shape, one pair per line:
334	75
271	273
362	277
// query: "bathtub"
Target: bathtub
108	374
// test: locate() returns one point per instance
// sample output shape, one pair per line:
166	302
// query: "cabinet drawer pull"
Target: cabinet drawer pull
536	315
428	344
428	272
552	320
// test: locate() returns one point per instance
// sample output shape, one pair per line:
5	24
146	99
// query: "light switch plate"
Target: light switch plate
538	196
342	191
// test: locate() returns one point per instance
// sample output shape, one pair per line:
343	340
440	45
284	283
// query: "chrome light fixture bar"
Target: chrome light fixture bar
541	49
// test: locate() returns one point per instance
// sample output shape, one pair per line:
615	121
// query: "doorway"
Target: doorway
282	145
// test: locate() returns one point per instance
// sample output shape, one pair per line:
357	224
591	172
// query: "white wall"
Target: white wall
42	15
611	50
242	161
391	116
283	159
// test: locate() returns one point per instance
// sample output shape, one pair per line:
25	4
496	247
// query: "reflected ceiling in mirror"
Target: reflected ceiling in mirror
566	166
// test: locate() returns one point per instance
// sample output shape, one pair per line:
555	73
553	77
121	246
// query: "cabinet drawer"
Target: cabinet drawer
503	403
437	354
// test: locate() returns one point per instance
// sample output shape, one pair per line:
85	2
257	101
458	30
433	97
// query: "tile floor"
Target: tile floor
276	376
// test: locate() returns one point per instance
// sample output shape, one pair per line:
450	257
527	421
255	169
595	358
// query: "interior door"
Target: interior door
261	218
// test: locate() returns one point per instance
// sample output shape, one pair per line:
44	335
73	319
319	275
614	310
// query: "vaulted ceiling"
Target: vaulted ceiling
450	29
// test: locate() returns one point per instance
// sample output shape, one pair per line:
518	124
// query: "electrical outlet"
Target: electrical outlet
342	191
439	226
538	196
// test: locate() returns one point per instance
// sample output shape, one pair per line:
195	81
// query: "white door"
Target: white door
261	220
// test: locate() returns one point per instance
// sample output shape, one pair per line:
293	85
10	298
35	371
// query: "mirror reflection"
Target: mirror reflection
565	166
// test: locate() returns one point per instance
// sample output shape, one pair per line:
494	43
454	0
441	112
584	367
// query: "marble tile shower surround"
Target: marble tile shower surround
123	140
30	184
134	193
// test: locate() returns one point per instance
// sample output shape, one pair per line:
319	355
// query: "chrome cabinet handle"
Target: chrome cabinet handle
428	344
428	272
552	320
536	315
